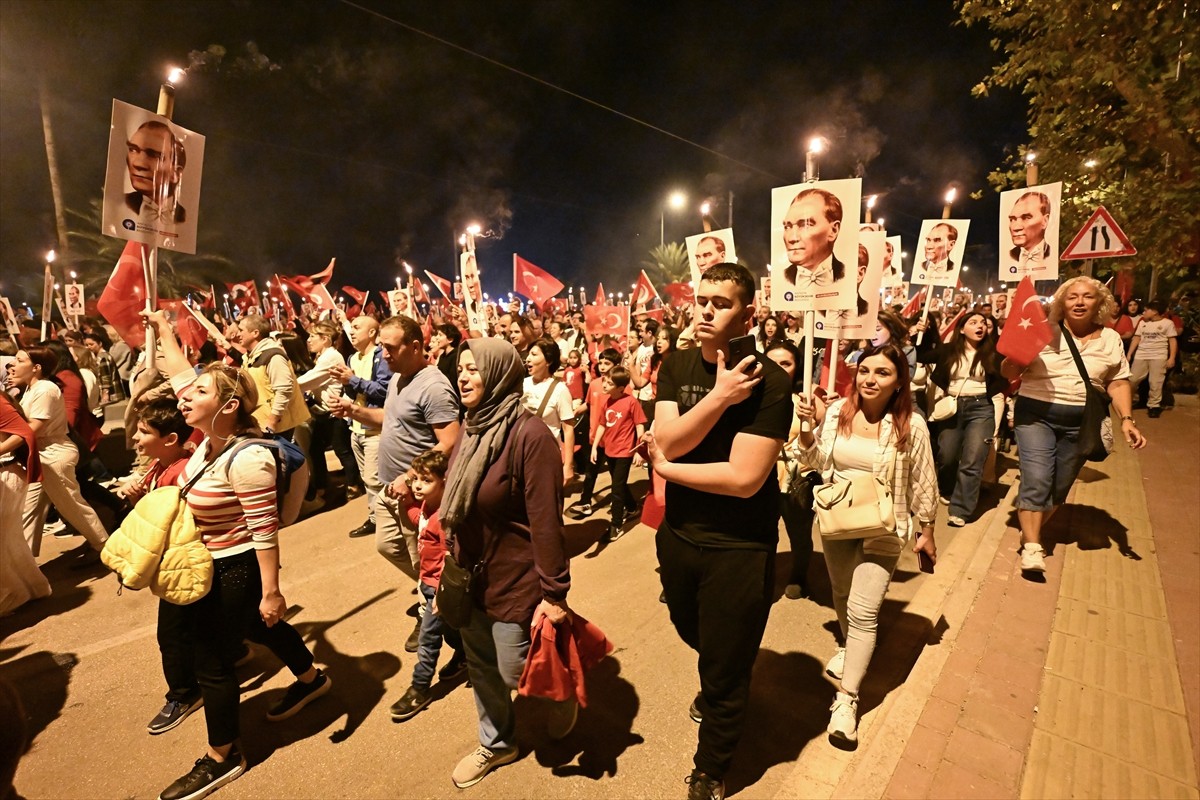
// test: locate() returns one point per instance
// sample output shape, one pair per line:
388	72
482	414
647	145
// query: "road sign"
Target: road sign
1100	237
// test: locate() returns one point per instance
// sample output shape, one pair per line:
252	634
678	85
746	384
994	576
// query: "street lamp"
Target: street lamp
675	201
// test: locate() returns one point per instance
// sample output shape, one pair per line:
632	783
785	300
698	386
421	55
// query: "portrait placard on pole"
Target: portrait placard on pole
1029	222
893	263
75	300
859	322
10	318
814	245
152	186
942	244
472	291
706	249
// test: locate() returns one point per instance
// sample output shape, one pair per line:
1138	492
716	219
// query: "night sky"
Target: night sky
332	131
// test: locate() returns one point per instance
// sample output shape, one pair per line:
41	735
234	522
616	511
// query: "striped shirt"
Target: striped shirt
234	503
914	484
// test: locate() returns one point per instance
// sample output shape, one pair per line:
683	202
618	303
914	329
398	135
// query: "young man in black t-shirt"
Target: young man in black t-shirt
717	432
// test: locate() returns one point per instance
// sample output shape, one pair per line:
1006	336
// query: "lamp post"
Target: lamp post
675	202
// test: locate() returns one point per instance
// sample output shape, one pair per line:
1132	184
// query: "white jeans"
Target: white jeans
860	581
366	453
59	486
1153	368
20	578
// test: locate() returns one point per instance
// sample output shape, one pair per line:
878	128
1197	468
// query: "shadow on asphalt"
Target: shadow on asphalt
789	706
581	536
71	589
358	687
601	736
43	678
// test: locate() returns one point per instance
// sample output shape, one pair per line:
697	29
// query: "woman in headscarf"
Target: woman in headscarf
503	507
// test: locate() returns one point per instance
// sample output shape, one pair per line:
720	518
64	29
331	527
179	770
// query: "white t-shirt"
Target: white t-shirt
43	400
853	455
1154	344
641	362
559	409
1054	378
967	383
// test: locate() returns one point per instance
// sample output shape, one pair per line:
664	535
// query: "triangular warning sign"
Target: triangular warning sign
1100	237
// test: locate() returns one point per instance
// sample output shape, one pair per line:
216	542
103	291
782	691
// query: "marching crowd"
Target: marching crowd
466	446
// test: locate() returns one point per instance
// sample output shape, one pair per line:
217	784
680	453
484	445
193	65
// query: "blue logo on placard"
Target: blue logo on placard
128	225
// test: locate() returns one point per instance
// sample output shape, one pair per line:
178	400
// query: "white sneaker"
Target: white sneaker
843	722
956	522
478	763
836	665
944	500
1033	558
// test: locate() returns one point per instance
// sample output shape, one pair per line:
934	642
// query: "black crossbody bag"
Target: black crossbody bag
458	585
1093	441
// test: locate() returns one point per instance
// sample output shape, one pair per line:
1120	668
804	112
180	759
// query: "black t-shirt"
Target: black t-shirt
714	520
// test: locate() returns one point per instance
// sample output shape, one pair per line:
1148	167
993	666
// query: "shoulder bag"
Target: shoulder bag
456	589
1096	431
859	508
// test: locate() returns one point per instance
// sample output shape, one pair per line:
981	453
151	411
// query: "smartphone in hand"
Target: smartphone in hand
924	562
739	348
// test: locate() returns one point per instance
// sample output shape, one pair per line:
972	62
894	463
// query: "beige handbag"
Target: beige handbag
859	508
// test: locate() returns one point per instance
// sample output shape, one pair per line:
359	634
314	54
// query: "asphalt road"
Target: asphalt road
87	666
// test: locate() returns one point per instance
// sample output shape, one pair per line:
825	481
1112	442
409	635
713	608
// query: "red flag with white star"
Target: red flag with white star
125	296
534	282
1027	330
643	291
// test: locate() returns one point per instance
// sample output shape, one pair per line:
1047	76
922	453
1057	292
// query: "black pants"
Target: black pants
340	435
622	498
718	601
796	508
593	470
216	625
178	653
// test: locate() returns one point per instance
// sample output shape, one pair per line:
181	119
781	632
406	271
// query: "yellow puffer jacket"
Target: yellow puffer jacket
159	546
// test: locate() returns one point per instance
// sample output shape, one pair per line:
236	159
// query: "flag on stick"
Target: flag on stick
643	291
914	306
606	319
125	296
679	294
244	294
948	328
534	282
444	286
1027	330
601	297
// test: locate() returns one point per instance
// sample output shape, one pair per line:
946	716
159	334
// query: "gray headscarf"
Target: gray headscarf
487	425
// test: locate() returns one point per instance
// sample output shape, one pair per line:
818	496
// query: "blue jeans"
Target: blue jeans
1048	444
963	450
495	660
429	647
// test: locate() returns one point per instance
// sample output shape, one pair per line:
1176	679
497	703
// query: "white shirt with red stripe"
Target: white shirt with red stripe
234	503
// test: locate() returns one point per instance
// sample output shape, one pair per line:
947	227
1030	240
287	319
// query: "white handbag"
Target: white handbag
859	508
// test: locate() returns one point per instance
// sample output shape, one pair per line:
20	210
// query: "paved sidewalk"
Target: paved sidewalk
1071	687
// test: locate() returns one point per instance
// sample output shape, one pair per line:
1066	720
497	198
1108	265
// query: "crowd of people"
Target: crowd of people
468	448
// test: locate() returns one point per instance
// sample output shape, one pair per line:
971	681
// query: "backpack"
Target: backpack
296	412
291	473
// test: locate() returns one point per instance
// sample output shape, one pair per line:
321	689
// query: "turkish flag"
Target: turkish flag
679	294
324	275
444	286
610	320
914	306
321	298
419	293
359	297
1123	288
1027	330
244	294
191	333
948	328
656	313
125	296
643	291
278	292
601	297
534	282
556	305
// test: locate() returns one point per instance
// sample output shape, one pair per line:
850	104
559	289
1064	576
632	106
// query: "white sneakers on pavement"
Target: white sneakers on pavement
1033	558
836	665
843	722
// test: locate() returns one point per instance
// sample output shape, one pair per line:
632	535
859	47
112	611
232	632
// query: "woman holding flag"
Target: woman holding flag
1050	405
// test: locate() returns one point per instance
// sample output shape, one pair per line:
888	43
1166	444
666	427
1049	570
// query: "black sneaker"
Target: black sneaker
694	711
579	510
172	714
413	643
366	529
410	704
206	777
614	532
455	669
298	695
1154	413
704	787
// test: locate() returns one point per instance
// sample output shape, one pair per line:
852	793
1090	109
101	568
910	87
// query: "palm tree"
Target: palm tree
668	263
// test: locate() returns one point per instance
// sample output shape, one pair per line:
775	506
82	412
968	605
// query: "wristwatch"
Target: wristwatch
1127	417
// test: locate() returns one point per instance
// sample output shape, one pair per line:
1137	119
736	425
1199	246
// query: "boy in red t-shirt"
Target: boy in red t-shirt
622	427
605	360
428	483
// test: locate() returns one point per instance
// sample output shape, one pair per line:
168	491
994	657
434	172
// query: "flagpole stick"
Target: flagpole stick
835	345
810	331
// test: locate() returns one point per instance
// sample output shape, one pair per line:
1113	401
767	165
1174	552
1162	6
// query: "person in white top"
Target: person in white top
1050	405
316	434
874	431
546	396
1155	343
42	402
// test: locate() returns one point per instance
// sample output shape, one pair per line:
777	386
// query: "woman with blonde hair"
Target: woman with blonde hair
1050	404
